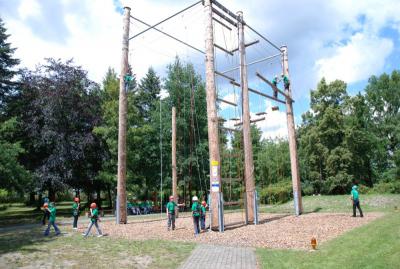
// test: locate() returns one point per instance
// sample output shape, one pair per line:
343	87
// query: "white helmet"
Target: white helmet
195	199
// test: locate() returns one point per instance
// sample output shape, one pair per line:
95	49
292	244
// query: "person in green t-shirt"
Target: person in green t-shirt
356	201
94	219
46	213
75	213
275	82
196	211
171	206
203	215
286	81
51	208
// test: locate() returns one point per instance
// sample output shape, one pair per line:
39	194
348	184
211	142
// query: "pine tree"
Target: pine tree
7	68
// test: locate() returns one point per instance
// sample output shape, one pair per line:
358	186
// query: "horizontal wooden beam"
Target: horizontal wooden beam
223	49
260	93
273	86
229	129
222	16
223	24
247	45
251	121
223	75
226	102
224	9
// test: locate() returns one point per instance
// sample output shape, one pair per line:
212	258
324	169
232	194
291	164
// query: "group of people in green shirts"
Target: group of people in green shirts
50	210
276	80
138	208
198	214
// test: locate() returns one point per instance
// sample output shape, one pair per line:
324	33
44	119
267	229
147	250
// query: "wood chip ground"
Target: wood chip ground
274	230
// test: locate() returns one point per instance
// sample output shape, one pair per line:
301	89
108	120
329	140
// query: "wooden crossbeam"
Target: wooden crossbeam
223	24
216	11
224	9
251	121
273	86
229	129
260	93
223	75
226	102
247	45
223	49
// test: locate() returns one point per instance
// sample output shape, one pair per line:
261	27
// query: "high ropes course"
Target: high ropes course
237	63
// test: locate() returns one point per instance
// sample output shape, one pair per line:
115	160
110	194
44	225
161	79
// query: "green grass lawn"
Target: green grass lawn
339	203
31	249
19	213
375	245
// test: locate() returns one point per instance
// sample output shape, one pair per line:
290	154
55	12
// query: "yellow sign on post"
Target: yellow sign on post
214	175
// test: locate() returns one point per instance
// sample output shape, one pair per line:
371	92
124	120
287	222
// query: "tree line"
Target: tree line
59	131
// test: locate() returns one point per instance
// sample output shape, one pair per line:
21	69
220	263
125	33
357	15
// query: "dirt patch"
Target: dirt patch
274	231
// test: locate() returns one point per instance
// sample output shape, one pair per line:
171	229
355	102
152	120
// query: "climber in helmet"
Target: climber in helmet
75	213
94	219
196	211
171	210
275	82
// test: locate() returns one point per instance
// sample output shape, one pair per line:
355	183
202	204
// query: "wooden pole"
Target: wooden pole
294	162
174	177
247	146
212	118
122	119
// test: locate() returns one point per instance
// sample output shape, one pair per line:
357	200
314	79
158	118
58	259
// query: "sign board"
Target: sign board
215	186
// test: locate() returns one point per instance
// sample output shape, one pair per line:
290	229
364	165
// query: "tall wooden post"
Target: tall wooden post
174	177
294	162
212	119
247	145
122	119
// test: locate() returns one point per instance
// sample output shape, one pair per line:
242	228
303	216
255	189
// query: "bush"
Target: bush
386	187
307	188
10	197
280	192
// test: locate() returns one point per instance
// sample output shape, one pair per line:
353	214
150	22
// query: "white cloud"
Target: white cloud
230	98
29	8
275	123
361	57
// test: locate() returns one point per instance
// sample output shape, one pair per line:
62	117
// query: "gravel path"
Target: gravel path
275	230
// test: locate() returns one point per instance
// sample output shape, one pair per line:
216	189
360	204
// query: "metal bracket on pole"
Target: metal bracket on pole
255	207
245	206
296	204
210	211
221	212
117	211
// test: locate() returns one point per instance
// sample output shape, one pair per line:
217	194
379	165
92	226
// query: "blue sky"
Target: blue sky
339	39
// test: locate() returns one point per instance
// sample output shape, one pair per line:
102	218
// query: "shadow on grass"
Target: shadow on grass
24	240
238	224
315	210
274	218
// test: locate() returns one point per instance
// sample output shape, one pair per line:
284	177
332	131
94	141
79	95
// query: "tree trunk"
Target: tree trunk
31	198
52	194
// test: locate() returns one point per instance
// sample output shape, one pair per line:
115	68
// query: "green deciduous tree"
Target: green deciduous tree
59	107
